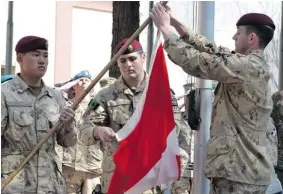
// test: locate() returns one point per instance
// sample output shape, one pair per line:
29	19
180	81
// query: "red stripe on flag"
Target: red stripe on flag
138	153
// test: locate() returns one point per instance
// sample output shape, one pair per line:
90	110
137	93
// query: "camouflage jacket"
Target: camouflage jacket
113	107
81	157
25	119
237	149
277	116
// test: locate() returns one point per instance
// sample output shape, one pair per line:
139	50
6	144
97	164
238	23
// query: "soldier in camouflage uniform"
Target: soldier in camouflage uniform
82	163
277	116
29	109
113	106
183	186
237	159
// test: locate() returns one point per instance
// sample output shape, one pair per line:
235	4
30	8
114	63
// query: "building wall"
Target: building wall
82	33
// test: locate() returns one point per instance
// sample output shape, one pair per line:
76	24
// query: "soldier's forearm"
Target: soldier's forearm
167	32
196	40
179	27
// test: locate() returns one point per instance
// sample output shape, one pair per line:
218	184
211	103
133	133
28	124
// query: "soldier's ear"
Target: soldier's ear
143	56
19	58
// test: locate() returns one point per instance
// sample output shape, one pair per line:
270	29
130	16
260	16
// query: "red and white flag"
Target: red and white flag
148	154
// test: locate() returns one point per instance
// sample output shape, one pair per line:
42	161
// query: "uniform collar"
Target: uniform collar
21	86
257	52
122	86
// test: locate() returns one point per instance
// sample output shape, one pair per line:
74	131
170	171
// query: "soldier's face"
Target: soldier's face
34	63
82	84
131	65
241	40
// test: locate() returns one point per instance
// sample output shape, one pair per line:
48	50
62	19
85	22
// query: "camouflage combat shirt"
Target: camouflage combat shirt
25	119
237	149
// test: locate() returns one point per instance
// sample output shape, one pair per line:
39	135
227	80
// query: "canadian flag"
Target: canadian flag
148	153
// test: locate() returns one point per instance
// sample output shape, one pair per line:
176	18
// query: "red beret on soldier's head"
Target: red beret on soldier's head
255	19
31	43
135	46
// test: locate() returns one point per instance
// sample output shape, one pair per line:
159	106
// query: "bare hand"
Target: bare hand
104	134
67	117
67	86
160	17
168	10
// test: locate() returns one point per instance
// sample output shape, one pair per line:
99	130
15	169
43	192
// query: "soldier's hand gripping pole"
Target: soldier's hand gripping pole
74	106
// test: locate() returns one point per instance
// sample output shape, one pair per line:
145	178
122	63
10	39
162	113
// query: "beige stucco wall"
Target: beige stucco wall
64	21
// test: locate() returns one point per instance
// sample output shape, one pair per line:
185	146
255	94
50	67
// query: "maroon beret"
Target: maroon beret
133	47
31	43
255	19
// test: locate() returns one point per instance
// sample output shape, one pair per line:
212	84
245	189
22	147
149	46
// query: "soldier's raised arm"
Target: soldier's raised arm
222	66
200	43
199	58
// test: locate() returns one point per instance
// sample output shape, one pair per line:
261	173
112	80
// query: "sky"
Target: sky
38	17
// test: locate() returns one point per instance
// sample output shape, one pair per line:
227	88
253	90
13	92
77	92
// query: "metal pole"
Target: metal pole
280	77
206	28
149	39
9	39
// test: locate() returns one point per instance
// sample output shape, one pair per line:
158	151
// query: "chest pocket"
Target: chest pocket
48	114
120	111
20	120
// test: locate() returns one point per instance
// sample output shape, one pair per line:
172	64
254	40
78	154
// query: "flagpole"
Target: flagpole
205	27
150	38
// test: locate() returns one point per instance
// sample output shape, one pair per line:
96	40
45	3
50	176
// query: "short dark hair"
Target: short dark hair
264	33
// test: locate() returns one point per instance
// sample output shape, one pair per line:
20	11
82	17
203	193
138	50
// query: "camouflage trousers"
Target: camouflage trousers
79	181
225	186
183	186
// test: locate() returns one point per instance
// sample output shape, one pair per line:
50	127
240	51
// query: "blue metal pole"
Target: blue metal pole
205	27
